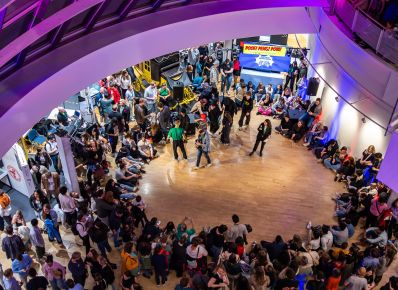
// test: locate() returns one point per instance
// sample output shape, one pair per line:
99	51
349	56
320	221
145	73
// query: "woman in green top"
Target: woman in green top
164	94
182	228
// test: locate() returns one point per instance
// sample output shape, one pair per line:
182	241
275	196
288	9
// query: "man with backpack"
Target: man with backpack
99	235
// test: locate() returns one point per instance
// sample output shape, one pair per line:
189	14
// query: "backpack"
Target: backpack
131	263
265	112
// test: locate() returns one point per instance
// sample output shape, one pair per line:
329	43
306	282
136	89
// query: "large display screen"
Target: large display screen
265	62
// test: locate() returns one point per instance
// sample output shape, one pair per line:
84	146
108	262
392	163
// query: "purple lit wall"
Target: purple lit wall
388	173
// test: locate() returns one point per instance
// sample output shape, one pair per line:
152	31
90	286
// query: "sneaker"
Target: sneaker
240	128
261	154
251	153
195	168
209	165
306	144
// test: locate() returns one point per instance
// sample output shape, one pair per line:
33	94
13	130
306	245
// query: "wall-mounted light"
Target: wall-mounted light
337	99
363	120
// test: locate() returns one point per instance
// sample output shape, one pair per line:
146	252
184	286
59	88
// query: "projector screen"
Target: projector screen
388	173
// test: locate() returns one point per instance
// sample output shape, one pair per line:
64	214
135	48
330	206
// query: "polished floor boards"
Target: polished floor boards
277	193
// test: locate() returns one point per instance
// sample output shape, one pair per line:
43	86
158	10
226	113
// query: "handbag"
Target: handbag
192	262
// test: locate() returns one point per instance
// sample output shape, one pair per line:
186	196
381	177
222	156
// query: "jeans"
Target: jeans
160	275
200	152
126	187
40	251
54	159
151	107
113	140
176	144
57	284
134	170
127	195
307	119
328	164
215	251
226	83
104	246
71	218
116	238
5	220
86	243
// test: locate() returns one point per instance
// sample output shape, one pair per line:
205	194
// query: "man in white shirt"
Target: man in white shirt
326	239
150	95
52	150
68	206
130	96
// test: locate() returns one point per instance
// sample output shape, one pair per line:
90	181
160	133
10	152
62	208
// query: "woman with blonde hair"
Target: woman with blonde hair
259	280
367	158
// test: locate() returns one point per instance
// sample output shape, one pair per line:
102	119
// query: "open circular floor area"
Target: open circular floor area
276	194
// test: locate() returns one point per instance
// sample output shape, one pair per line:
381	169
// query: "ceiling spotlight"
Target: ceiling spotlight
337	99
363	120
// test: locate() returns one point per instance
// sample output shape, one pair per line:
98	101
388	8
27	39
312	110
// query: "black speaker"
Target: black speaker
313	85
280	39
178	91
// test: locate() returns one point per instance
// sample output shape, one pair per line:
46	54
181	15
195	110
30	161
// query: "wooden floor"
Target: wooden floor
277	193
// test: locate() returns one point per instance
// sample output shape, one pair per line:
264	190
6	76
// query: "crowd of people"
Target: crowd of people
114	156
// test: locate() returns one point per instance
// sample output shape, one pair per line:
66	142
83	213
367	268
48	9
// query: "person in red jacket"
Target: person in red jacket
114	93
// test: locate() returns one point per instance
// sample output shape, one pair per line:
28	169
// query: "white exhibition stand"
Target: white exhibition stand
68	163
18	170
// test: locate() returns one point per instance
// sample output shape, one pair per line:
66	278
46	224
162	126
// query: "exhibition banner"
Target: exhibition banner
249	48
265	62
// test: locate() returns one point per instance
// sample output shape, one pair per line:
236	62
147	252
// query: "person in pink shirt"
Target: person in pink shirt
55	273
68	206
377	207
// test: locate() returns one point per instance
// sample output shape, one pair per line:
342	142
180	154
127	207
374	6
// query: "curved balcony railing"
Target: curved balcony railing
383	41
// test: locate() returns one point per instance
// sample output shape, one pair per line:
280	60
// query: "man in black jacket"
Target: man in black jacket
247	107
12	244
99	235
164	119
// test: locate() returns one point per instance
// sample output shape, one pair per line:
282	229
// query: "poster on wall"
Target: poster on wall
265	62
259	49
18	170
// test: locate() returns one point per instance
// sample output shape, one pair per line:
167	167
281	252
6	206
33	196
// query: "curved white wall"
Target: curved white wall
345	123
375	76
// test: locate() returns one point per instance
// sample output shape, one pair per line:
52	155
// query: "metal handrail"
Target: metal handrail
372	21
335	91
